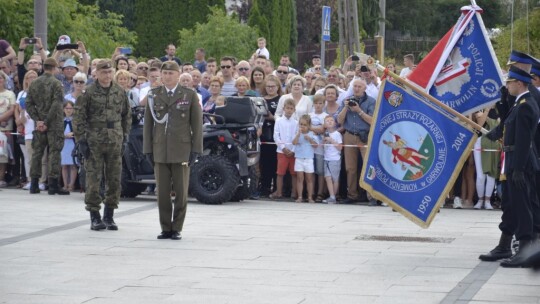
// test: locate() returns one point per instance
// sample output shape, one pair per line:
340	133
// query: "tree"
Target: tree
158	21
258	21
279	14
521	42
101	32
221	35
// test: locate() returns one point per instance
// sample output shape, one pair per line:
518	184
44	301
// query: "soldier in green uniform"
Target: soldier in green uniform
102	122
44	105
172	140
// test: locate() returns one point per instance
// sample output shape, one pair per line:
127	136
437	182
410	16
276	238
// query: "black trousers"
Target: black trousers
268	166
522	201
508	223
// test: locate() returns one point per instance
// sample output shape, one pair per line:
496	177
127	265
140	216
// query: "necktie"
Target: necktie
170	93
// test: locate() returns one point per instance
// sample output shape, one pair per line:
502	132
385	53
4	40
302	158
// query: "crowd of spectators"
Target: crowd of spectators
322	114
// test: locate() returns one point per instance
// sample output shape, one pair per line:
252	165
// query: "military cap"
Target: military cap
535	69
104	64
518	74
171	66
519	57
50	62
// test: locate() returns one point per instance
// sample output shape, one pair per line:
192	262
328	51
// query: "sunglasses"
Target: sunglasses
78	81
243	69
226	67
142	68
282	72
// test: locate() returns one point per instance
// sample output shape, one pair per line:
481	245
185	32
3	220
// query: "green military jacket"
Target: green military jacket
44	102
181	133
102	115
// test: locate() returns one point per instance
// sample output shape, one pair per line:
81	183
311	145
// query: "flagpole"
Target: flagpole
433	99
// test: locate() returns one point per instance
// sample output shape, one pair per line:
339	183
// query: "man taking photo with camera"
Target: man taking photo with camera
355	116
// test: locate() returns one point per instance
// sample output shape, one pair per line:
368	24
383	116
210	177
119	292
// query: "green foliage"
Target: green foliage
17	20
293	35
501	43
221	35
258	21
158	21
368	17
101	32
275	20
433	18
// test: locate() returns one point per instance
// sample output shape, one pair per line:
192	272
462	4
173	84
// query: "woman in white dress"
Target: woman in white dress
304	104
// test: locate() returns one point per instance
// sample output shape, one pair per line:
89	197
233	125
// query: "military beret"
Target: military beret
171	66
518	74
104	64
535	69
50	62
518	57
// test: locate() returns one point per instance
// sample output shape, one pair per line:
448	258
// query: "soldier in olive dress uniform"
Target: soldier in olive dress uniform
172	140
102	122
44	105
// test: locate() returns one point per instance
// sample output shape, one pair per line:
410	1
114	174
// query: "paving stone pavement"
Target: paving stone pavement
250	252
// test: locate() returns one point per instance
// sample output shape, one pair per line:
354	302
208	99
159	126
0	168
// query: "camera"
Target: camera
326	134
68	46
30	40
352	103
364	69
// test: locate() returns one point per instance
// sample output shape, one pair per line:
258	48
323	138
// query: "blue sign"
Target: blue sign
415	152
326	14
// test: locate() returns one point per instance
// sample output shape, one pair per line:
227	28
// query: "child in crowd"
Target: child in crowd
317	126
332	158
69	170
284	131
304	143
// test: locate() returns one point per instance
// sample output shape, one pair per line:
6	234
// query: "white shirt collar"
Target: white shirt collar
171	90
519	96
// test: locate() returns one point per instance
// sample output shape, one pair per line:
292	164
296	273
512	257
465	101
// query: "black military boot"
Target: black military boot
501	251
95	221
34	185
108	220
54	188
519	259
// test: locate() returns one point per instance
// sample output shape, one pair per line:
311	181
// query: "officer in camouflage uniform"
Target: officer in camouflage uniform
172	140
102	122
44	105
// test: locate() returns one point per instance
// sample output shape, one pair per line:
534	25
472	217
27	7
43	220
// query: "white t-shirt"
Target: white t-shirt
404	72
304	106
284	131
330	151
29	124
7	101
264	51
316	121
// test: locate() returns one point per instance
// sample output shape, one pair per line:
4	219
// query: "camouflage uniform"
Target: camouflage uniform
44	103
103	118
